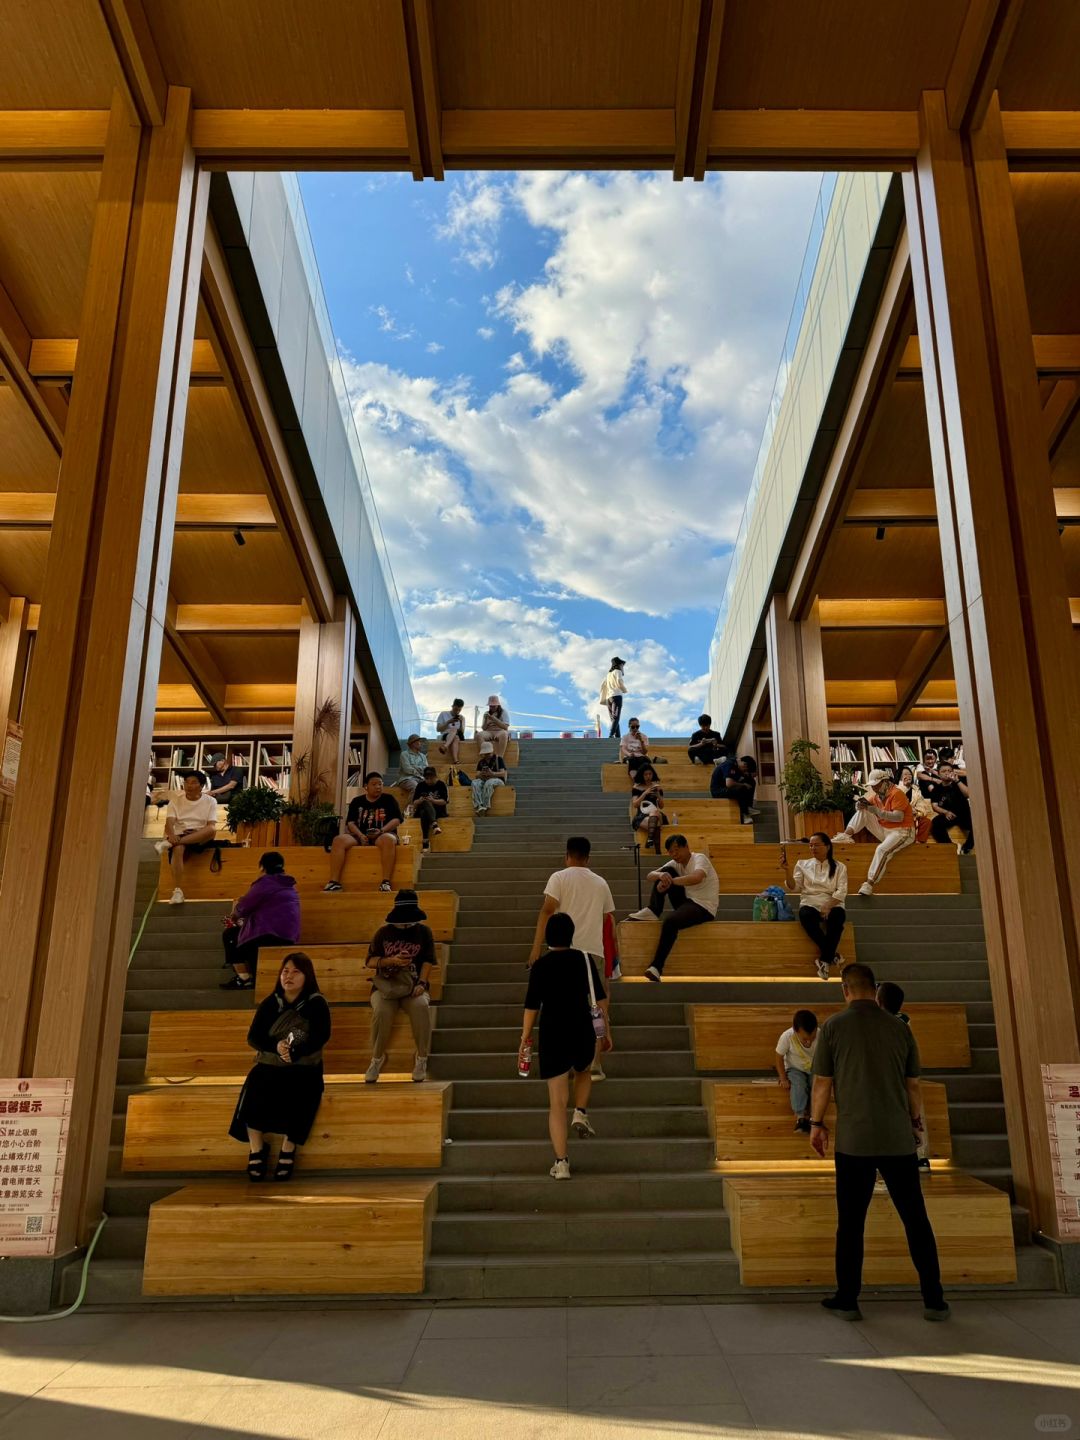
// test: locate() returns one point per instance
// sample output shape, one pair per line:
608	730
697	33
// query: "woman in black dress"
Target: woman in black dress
566	986
647	806
282	1093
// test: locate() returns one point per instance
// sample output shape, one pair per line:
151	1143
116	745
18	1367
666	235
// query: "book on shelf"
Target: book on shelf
843	754
880	755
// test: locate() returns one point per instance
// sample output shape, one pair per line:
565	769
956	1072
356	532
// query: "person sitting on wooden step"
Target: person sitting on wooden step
283	1090
689	881
373	818
411	765
268	914
190	823
430	802
401	953
821	884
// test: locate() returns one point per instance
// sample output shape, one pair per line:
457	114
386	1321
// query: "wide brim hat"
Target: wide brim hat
616	663
486	747
878	777
412	738
406	909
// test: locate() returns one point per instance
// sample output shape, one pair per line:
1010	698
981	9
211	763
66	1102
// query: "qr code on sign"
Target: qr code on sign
35	1224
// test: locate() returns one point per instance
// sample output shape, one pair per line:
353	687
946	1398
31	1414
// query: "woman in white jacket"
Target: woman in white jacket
611	693
821	885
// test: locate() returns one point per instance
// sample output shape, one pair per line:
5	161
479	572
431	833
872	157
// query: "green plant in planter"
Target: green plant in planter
315	823
257	805
805	790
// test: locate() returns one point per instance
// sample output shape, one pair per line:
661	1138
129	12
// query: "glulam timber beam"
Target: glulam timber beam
133	44
917	506
15	346
1054	355
238	619
206	679
980	52
1041	139
502	138
814	139
33	510
916	670
53	137
423	111
881	614
53	361
860	692
700	35
1059	410
232	139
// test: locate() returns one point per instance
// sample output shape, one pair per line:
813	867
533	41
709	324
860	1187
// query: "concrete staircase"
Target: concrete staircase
643	1213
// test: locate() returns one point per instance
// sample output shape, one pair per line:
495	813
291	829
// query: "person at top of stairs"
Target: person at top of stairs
566	985
611	695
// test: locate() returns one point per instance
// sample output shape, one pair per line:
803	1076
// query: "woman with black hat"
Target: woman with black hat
281	1095
611	693
401	954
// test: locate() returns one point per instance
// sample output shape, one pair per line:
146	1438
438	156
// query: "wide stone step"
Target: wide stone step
469	1039
653	1122
499	1064
480	1157
613	1093
628	1191
570	1275
454	1016
607	1232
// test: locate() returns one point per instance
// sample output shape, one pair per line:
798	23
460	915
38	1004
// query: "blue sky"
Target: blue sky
559	382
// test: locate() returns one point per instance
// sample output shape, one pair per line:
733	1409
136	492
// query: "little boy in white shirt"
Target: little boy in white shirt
794	1063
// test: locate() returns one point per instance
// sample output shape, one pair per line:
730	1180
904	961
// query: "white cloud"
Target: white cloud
473	216
433	347
389	326
486	332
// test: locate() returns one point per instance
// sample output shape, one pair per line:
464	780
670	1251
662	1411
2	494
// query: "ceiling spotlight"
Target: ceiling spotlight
879	533
238	536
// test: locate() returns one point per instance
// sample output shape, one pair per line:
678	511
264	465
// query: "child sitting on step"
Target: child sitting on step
794	1062
890	997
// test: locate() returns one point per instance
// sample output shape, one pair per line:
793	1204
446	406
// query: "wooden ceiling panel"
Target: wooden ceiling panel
277	54
943	666
899	455
859	654
1047	28
219	456
172	671
564	54
846	55
1065	467
1048	220
1070	545
905	565
56	56
46	221
22	563
259	659
27	460
210	568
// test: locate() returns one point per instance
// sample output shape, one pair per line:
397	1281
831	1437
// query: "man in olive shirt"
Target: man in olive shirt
872	1059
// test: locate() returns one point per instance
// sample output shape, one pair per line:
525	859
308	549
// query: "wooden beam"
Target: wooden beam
1058	412
1068	504
881	614
206	679
238	619
862	414
14	356
33	510
916	669
260	697
860	692
56	359
1037	139
32	137
981	48
852	139
227	139
472	136
136	53
240	367
420	84
1054	354
918	506
699	59
13	649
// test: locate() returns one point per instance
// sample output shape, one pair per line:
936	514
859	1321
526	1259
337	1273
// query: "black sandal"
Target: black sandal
286	1160
257	1161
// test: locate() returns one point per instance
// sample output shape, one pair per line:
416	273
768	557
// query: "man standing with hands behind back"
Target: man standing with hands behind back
873	1061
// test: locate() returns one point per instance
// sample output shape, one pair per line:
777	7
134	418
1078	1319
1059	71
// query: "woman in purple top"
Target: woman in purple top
269	914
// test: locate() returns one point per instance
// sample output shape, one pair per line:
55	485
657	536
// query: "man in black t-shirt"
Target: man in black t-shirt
430	802
705	746
952	807
225	780
373	819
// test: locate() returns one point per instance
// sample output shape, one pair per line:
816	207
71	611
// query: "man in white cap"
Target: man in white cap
886	812
495	726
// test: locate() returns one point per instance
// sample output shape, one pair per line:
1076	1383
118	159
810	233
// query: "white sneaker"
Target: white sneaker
747	820
645	914
839	962
580	1125
177	897
616	974
652	973
419	1069
560	1170
866	888
752	811
371	1074
597	1071
163	846
822	970
845	837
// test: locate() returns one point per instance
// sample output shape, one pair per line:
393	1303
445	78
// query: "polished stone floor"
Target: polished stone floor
1007	1368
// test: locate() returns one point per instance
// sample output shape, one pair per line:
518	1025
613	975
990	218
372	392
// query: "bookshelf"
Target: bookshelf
274	767
263	762
847	755
891	751
766	758
853	756
355	765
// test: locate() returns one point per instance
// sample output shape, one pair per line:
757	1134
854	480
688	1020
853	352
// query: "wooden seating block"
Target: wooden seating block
154	823
201	1043
456	835
309	865
704	837
710	815
354	916
313	1237
676	777
743	1037
343	974
468	755
755	1122
727	947
358	1127
503	801
748	869
783	1229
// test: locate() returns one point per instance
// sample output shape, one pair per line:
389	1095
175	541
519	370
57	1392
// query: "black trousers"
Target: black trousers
940	827
742	792
684	914
614	708
824	933
238	952
426	813
855	1177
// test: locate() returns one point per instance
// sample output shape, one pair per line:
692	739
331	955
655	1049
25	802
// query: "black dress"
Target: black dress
559	989
278	1098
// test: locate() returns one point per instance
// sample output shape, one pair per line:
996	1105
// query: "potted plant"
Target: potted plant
311	818
817	803
254	814
314	824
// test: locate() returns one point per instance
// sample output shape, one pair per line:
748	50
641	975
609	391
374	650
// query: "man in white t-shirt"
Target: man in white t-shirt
586	897
190	820
689	881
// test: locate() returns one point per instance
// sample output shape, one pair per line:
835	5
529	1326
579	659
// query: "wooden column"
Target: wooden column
324	675
89	705
796	689
1008	610
13	647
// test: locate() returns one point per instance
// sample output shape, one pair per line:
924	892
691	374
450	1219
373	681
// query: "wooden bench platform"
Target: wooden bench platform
358	1127
748	869
468	755
503	802
754	1123
728	948
198	1044
703	836
743	1037
783	1230
309	865
677	777
311	1237
354	916
456	835
343	974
